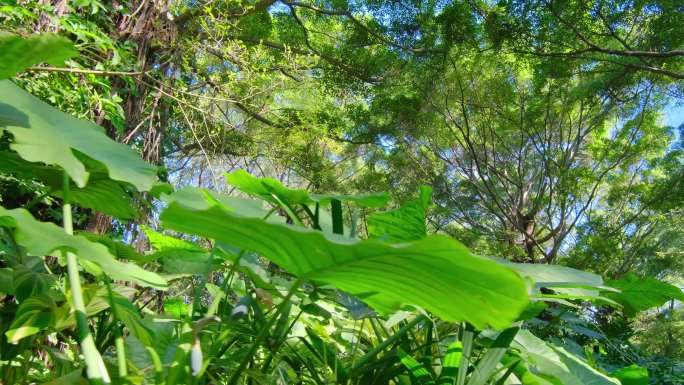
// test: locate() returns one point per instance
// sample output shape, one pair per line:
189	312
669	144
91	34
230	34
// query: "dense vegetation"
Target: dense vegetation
341	192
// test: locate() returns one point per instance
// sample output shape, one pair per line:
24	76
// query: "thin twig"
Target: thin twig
83	71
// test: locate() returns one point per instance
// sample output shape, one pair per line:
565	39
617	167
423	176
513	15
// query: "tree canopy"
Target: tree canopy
349	192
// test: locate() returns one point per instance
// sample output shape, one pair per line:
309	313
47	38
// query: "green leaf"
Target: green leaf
639	294
180	256
632	375
72	378
44	134
101	194
417	369
523	372
327	355
33	315
436	273
266	188
406	223
176	308
450	364
129	316
117	248
40	239
487	364
569	283
17	53
6	281
555	363
28	282
181	261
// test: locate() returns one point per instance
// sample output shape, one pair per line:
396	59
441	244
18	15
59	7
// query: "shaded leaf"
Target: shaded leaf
17	53
33	315
101	194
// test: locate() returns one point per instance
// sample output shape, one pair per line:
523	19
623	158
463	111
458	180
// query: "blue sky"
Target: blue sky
674	115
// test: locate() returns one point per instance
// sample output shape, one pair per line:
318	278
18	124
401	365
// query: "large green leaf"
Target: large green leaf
436	273
28	282
632	375
555	363
406	223
17	53
487	364
269	189
639	294
33	315
45	134
566	282
179	256
40	238
128	314
101	193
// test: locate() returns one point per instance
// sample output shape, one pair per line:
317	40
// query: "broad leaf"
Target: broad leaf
436	273
639	294
632	375
406	223
101	194
40	239
567	282
180	256
6	281
45	134
17	53
34	314
487	364
268	189
29	282
554	362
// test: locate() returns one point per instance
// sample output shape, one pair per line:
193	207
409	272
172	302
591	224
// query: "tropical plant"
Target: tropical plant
255	282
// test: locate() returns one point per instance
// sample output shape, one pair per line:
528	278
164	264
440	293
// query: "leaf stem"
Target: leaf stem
262	335
96	369
387	342
84	71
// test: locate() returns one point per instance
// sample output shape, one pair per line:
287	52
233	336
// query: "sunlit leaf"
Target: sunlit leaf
552	361
436	273
267	188
639	294
406	223
39	238
44	134
632	375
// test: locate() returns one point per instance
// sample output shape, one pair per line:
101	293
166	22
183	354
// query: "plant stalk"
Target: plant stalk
262	335
95	367
387	342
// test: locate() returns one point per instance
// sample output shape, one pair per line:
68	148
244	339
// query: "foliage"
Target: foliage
543	245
